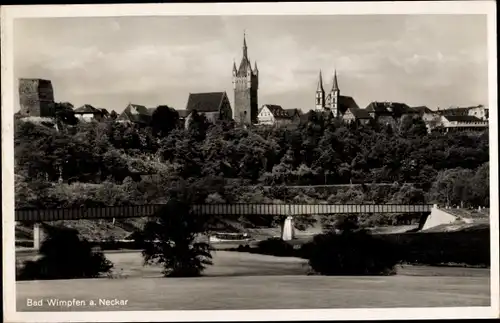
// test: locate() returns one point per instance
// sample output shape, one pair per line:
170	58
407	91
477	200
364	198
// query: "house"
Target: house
431	118
136	114
462	123
88	113
480	112
356	115
389	112
275	115
214	105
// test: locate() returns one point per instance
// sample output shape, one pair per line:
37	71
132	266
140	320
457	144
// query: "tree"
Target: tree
171	241
113	115
164	120
198	126
65	256
65	114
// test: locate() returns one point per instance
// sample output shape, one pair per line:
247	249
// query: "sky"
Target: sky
108	62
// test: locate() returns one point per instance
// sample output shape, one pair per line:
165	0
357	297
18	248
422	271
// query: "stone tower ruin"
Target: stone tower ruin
36	98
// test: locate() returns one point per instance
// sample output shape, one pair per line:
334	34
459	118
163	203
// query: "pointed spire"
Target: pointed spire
234	66
320	83
335	86
245	55
255	67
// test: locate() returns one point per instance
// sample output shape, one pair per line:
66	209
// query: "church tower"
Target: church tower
320	94
245	84
335	96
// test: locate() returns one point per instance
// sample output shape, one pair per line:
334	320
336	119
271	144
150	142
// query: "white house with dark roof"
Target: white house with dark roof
88	113
354	114
275	115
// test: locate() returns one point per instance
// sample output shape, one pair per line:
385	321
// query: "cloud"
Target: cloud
433	60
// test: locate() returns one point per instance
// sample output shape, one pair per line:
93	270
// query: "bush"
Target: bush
351	253
65	256
275	247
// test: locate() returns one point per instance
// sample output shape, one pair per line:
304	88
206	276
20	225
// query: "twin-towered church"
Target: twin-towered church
246	109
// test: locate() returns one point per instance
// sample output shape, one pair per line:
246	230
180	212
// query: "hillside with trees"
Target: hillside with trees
111	163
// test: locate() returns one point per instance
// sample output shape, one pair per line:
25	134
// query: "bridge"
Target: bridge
135	211
36	216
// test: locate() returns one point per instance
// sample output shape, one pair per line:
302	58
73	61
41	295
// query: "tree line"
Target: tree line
129	163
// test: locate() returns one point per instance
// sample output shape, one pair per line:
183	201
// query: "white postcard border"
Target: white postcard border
9	13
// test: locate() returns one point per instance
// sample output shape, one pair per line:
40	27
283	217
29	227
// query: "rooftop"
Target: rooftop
205	102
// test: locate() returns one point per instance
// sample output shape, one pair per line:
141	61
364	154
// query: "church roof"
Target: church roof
360	113
205	102
346	102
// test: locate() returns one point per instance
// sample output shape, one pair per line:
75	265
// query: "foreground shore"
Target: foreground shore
249	281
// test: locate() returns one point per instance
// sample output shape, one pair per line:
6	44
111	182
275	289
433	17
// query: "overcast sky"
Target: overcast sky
433	60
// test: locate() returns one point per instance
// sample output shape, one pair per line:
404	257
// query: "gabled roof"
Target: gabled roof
393	108
422	109
463	118
205	102
360	113
455	111
346	102
292	112
135	113
304	117
87	108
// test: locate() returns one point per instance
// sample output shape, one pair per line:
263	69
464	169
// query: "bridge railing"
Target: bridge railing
215	209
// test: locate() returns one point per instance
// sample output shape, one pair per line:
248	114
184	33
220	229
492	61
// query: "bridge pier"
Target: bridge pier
38	236
287	230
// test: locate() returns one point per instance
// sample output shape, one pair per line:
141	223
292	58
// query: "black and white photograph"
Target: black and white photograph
250	161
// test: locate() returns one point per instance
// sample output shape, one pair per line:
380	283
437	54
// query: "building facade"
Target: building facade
245	85
88	113
333	103
36	98
462	123
275	115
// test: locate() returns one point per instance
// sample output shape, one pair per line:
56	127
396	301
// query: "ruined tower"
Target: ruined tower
36	98
245	84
